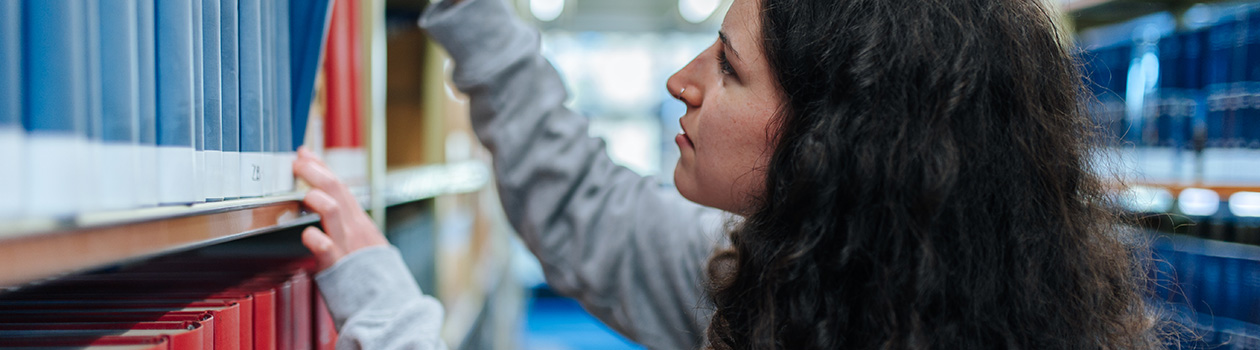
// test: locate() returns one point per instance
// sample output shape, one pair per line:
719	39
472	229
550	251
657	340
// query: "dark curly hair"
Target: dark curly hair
931	188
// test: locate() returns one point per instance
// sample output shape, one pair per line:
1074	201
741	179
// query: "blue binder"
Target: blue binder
146	50
55	102
284	98
267	19
11	131
212	132
252	98
308	33
120	102
231	123
199	104
175	104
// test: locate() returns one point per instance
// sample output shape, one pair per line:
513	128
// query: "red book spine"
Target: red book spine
342	70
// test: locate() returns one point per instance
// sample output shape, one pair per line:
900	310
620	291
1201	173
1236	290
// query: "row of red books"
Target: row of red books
219	303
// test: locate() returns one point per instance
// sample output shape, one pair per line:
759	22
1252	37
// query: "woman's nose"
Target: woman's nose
684	87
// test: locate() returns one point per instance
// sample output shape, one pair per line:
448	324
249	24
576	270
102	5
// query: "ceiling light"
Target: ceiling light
696	11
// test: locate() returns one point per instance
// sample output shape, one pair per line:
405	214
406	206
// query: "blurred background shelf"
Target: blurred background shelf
428	181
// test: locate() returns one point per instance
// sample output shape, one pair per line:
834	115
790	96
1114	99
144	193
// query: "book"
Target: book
175	103
120	103
12	135
343	141
287	151
181	335
267	20
252	99
91	197
309	27
147	192
230	122
55	104
212	129
199	105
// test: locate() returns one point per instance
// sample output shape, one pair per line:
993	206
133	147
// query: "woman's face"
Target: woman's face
731	98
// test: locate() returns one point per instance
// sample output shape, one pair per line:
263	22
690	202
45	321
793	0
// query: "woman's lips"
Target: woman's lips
682	139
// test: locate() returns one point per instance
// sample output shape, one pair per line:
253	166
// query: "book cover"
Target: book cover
91	197
267	18
120	103
55	104
12	135
175	103
287	152
147	192
309	26
199	105
230	122
252	99
344	152
212	129
181	335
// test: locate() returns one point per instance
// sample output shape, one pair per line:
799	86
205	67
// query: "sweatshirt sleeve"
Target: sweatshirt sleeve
377	305
629	250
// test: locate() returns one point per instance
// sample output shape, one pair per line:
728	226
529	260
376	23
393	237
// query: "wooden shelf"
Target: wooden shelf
33	250
1223	191
423	182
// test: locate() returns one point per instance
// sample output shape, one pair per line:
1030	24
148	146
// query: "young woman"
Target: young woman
903	174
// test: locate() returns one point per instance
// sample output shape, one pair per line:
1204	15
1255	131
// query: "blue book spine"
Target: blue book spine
199	104
175	103
267	18
252	98
213	93
120	102
284	98
91	197
230	65
1219	58
308	31
12	135
146	52
55	103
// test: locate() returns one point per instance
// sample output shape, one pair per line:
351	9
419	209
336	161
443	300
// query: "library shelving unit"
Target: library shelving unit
414	188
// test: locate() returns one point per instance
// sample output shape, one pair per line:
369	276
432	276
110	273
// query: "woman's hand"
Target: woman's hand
349	227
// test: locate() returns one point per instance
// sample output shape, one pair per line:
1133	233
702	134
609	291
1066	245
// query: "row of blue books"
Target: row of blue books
117	104
1210	289
1181	104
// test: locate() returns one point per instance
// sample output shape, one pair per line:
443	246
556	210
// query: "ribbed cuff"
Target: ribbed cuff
369	280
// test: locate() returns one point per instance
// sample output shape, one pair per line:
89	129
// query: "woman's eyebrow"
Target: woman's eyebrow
727	43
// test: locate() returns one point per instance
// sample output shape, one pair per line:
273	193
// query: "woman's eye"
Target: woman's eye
723	65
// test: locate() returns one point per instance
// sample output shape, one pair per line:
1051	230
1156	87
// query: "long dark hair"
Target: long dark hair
931	188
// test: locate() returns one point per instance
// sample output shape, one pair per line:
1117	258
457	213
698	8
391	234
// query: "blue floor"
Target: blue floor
556	323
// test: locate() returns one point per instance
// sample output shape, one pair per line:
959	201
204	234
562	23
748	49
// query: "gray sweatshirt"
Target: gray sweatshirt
630	251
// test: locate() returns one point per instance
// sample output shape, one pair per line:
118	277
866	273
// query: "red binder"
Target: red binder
99	343
325	327
229	323
180	335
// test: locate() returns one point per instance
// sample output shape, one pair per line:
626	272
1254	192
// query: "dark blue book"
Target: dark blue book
213	95
55	103
175	102
199	104
120	104
252	98
1250	125
1218	66
308	32
284	99
146	52
11	131
231	123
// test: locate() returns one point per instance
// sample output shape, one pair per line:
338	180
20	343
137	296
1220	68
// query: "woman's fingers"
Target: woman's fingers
325	250
321	178
330	211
